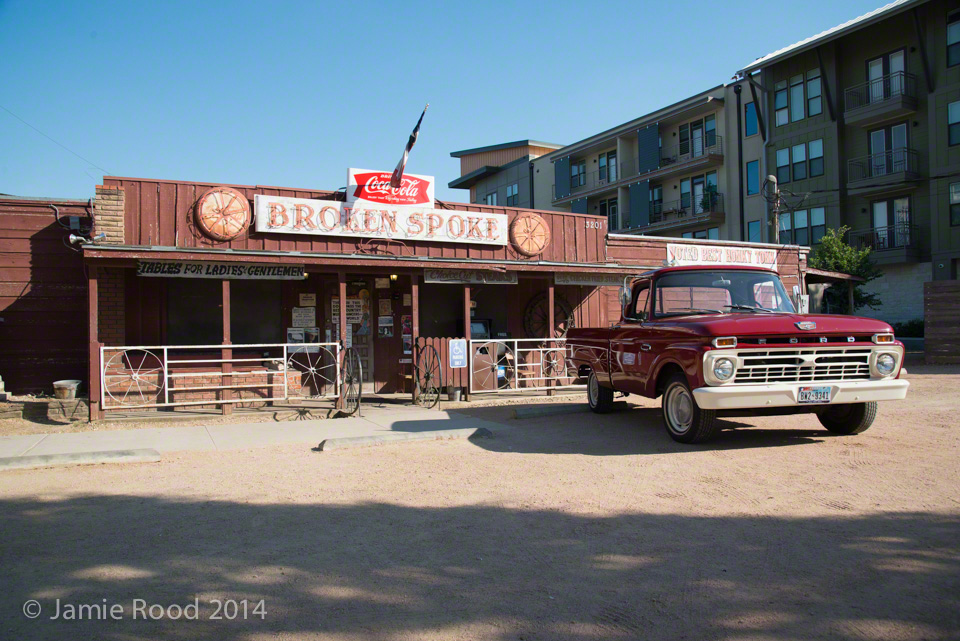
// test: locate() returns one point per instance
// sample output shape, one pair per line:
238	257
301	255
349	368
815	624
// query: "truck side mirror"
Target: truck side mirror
624	296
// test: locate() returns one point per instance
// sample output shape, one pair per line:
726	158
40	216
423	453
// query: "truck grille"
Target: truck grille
804	365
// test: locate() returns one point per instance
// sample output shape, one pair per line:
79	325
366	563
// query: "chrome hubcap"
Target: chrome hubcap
594	389
679	408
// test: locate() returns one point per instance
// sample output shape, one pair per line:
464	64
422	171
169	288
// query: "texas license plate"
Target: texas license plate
814	395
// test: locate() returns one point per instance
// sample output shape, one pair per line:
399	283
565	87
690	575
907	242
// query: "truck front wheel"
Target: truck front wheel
850	418
599	398
684	420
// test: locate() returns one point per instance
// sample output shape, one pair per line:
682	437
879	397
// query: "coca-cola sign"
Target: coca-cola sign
373	187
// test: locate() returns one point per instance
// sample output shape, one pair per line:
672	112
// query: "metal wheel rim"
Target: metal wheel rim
134	378
429	377
678	408
352	381
318	369
593	390
554	362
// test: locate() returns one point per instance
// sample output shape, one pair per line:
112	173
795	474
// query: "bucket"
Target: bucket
453	393
66	389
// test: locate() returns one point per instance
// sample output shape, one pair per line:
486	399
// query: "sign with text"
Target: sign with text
372	188
239	271
285	215
458	353
689	254
469	277
589	280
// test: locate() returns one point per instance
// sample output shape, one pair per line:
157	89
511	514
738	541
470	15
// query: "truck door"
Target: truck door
628	342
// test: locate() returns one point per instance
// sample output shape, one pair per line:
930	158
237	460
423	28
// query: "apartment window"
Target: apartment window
610	209
490	199
712	233
783	165
608	166
786	229
780	103
750	127
955	203
513	194
818	225
796	98
814	101
816	157
710	130
886	76
891	223
688	234
753	177
685	193
953	123
753	231
953	39
578	173
802	227
799	162
656	202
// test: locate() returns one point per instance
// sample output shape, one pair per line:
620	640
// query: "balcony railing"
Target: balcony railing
710	144
896	236
886	87
593	179
709	203
883	164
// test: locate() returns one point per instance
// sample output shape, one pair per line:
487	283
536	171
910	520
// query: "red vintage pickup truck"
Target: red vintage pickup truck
727	341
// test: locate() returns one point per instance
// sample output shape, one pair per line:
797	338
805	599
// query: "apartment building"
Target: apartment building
863	120
691	169
501	175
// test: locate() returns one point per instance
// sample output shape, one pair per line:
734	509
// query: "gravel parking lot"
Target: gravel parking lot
568	527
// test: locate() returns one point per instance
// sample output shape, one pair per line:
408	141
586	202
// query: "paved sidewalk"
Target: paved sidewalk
374	421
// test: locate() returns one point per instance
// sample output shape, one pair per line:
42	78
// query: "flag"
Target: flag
396	180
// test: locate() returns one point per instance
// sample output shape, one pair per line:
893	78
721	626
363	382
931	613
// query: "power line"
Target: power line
56	142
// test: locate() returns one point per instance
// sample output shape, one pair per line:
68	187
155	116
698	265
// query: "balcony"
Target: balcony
898	243
884	171
876	101
685	213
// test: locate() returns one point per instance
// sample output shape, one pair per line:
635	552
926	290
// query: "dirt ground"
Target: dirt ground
568	527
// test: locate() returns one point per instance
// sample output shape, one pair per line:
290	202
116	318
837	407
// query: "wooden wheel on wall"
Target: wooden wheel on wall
536	317
223	213
529	234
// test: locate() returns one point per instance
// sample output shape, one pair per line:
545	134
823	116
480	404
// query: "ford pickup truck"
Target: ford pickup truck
727	341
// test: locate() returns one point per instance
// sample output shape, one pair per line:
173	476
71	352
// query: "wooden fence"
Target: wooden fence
941	310
458	377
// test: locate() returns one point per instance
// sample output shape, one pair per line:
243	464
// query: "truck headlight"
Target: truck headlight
886	363
723	369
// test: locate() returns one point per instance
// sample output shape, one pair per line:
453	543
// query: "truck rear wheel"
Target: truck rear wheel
599	398
850	418
684	420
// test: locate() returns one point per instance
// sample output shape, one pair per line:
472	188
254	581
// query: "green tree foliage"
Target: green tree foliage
834	254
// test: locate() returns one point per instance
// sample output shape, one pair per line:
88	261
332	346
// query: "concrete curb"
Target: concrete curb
550	410
79	458
352	442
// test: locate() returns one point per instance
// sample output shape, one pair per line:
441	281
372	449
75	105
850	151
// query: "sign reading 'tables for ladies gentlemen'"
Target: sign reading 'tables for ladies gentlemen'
239	271
280	214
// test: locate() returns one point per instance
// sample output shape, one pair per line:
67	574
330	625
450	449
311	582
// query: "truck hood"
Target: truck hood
750	323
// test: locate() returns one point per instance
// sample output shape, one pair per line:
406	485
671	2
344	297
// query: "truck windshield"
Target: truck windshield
717	292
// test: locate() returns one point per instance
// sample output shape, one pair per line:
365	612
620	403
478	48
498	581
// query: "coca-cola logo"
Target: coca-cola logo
375	187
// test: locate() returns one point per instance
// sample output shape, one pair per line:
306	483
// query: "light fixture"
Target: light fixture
393	278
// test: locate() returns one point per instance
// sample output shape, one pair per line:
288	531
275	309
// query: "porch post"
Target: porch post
342	279
93	385
550	329
225	367
850	296
466	332
415	317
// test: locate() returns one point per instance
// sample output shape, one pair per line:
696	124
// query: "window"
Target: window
783	166
490	199
953	123
194	316
656	202
786	227
753	177
713	233
750	127
710	130
801	234
891	223
608	166
256	312
578	173
953	39
688	234
610	209
753	232
955	203
816	157
799	162
802	227
709	291
796	98
513	192
814	102
641	296
780	103
818	225
685	193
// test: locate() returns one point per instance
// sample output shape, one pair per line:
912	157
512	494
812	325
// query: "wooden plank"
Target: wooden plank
166	214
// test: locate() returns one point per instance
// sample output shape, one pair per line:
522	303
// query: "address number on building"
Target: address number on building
594	224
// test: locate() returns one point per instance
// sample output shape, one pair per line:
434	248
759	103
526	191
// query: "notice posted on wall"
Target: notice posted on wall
385	306
308	300
304	316
382	283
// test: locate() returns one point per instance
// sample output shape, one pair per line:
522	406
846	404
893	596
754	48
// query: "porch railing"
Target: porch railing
520	364
883	163
880	89
682	152
709	203
896	236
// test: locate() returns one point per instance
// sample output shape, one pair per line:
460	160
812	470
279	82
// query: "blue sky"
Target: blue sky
294	93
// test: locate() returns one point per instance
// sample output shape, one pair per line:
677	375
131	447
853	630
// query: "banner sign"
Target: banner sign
238	271
684	254
372	189
589	280
281	214
469	277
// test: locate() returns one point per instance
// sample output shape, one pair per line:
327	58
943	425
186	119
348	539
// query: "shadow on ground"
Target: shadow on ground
378	570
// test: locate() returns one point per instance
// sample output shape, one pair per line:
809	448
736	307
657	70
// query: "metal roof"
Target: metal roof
830	34
505	145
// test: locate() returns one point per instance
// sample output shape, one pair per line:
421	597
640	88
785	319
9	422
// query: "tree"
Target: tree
834	254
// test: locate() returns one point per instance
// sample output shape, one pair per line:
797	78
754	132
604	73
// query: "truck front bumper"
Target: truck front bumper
730	397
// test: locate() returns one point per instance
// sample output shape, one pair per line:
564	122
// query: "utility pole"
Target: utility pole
776	208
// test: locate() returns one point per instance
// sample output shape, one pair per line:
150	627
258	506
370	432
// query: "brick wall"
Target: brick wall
112	327
108	214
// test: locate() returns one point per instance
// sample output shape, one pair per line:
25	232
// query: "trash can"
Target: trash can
65	389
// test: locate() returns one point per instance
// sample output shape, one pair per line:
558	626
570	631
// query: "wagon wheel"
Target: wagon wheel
530	234
318	369
491	369
134	378
554	363
351	382
536	317
223	213
429	377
